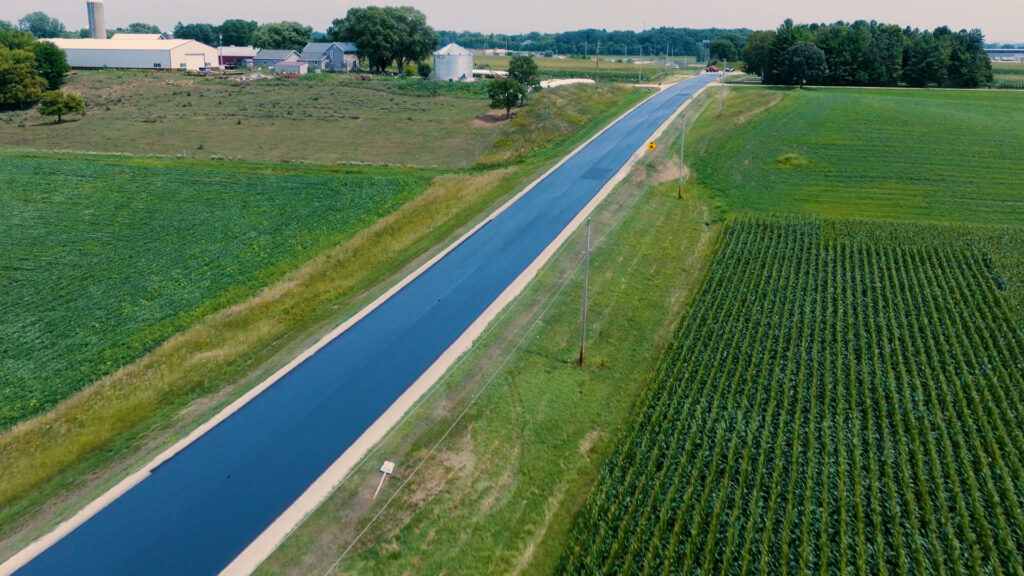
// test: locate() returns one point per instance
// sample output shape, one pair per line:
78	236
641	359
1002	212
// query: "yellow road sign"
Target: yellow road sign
652	146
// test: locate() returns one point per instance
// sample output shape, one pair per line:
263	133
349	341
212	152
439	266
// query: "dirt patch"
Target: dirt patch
493	119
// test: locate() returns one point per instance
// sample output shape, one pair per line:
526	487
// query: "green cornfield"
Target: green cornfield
831	406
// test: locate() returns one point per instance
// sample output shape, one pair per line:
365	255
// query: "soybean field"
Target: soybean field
105	257
836	402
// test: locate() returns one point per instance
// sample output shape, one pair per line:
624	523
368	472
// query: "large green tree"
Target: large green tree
523	69
237	32
60	104
15	39
723	49
787	35
282	36
969	65
20	83
51	63
205	33
41	25
386	35
373	31
757	53
804	63
505	93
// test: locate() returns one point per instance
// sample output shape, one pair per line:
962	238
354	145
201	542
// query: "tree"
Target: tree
969	64
41	26
505	93
51	63
424	69
15	39
237	32
723	49
786	36
59	104
757	54
205	33
416	40
282	36
523	69
140	28
804	63
386	35
924	61
20	84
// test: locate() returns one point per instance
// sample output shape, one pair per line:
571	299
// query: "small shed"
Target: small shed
291	67
453	62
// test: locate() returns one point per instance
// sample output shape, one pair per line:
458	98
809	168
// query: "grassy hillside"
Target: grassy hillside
834	403
105	257
321	118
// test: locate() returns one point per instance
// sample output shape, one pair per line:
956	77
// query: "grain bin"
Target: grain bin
453	62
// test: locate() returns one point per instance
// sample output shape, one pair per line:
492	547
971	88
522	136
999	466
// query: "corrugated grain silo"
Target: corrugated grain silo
453	62
97	22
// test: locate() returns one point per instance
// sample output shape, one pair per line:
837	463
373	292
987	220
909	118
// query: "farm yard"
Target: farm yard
834	403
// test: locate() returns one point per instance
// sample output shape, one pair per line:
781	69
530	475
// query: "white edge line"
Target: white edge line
254	554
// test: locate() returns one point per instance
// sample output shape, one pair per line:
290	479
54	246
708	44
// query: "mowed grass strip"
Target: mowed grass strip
830	406
922	155
106	257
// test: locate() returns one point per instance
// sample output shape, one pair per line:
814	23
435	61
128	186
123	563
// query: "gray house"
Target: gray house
335	56
272	57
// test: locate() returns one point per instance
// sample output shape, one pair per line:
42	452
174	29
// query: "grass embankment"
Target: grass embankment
495	491
56	462
96	273
325	119
835	402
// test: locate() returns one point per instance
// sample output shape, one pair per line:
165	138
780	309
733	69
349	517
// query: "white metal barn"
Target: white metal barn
137	53
453	62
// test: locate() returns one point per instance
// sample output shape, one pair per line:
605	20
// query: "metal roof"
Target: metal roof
276	54
346	47
453	49
120	44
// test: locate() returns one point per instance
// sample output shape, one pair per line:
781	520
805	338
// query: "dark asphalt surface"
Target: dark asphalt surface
201	508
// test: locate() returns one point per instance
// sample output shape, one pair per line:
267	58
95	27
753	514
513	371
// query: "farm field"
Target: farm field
835	402
1008	74
105	257
613	69
320	119
922	155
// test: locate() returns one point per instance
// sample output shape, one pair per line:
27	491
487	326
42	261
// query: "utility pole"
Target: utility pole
597	73
640	74
583	313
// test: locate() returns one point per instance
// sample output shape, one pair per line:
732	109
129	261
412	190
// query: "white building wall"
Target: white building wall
185	56
108	58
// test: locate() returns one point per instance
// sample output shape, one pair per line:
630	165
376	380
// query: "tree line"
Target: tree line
677	41
867	54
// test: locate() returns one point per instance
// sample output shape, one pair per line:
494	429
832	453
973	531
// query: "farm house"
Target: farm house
453	62
137	53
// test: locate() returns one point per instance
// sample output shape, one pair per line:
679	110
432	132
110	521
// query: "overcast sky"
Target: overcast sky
1000	20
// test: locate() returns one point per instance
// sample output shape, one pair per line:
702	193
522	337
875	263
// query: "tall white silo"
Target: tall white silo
453	62
97	23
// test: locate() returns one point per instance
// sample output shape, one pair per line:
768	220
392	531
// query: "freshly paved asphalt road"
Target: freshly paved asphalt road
200	509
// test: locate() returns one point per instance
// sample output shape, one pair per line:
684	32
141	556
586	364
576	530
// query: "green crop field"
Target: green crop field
835	402
1008	74
937	155
105	257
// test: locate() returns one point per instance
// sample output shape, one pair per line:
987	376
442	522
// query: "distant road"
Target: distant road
197	511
